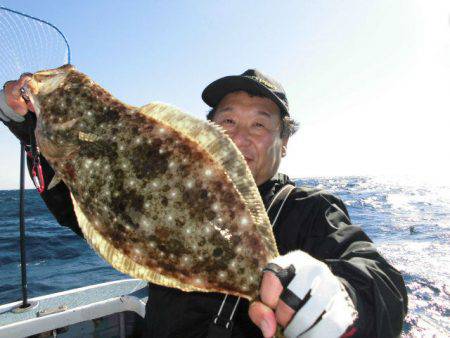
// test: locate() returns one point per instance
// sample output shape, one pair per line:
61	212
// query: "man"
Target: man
329	280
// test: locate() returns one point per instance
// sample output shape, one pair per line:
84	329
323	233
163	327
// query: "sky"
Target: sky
368	81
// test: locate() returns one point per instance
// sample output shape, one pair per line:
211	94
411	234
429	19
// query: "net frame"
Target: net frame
28	44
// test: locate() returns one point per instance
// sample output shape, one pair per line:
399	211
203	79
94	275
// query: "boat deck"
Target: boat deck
73	306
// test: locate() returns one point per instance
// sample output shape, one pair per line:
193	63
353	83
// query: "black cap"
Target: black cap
251	81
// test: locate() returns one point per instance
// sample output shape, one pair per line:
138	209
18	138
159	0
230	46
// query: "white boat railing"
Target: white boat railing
73	306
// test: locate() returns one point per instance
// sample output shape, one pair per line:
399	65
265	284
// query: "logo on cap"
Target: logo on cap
263	82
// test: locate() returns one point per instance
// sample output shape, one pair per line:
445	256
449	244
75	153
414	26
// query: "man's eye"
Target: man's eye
259	125
227	121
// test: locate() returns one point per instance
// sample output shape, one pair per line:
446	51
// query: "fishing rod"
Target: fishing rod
26	305
23	259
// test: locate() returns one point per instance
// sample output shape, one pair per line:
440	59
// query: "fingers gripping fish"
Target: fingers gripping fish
160	195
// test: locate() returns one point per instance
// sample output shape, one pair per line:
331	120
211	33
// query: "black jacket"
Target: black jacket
311	220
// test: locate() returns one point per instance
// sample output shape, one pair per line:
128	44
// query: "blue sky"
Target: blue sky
369	81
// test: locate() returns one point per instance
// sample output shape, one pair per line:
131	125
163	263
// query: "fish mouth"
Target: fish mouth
47	81
46	74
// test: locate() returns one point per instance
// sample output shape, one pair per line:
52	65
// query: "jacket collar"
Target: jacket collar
269	188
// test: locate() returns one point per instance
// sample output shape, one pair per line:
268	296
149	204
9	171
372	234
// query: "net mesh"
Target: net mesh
29	44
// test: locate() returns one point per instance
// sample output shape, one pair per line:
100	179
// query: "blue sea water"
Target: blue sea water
409	222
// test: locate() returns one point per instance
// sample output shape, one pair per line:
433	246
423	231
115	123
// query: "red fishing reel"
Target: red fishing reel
36	171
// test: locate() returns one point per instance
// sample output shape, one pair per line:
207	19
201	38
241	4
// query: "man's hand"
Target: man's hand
14	97
301	294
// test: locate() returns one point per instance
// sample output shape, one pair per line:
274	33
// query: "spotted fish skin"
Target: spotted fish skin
150	198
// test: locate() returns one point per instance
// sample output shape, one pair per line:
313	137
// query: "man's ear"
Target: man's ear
284	146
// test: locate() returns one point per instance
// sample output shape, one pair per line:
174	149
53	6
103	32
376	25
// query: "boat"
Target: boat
112	309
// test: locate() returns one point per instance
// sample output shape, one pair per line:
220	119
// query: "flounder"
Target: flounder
160	195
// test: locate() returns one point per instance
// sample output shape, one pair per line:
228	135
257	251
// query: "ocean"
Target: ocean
409	222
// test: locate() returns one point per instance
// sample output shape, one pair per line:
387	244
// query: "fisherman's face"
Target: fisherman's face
253	123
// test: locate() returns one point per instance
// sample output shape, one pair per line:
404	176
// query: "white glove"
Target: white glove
6	112
323	306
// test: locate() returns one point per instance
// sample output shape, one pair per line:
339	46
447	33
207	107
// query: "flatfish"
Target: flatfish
160	195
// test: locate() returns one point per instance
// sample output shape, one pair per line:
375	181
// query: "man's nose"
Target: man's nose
240	136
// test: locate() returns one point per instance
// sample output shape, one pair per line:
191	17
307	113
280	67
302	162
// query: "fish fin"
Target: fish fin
119	260
222	149
54	182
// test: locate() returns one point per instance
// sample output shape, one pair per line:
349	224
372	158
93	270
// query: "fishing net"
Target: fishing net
29	44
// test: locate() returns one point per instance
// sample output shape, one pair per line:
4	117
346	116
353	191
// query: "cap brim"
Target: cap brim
215	92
